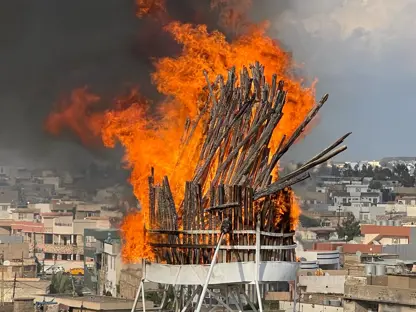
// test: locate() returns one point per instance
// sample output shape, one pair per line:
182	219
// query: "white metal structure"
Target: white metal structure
190	283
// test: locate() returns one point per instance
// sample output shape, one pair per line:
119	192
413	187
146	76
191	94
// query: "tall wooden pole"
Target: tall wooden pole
2	279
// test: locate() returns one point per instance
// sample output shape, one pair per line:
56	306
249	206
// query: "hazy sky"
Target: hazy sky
361	52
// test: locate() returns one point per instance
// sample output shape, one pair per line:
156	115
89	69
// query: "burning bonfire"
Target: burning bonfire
233	178
238	121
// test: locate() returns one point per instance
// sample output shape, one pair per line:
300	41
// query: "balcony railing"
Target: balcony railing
63	249
63	224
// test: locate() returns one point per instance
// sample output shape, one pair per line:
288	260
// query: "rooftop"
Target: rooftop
387	230
56	214
94	303
26	210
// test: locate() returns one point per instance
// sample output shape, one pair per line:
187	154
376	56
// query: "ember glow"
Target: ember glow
156	139
150	7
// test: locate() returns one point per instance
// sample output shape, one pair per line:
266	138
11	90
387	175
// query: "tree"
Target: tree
347	171
308	222
335	171
402	173
349	228
60	284
375	185
370	171
363	172
382	174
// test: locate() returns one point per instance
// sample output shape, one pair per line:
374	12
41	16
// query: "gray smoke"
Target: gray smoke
361	51
48	48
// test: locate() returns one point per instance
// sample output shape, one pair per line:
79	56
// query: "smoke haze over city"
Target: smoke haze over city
360	52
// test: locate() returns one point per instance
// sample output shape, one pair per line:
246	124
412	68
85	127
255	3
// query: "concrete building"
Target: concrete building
361	211
387	235
26	214
111	266
326	260
380	293
93	303
95	276
314	292
58	239
9	199
16	260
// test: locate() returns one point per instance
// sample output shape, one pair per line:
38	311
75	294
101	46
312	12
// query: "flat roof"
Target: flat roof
95	303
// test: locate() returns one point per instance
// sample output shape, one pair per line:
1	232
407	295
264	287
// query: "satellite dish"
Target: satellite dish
6	263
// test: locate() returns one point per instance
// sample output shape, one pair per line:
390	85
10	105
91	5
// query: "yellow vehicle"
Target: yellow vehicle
76	271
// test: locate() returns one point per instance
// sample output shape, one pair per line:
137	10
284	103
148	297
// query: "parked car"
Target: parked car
76	271
54	269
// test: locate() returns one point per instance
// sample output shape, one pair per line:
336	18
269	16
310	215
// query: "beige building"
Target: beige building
26	214
316	291
58	240
93	303
380	293
24	287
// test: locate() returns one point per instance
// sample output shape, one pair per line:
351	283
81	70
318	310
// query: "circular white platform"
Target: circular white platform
223	273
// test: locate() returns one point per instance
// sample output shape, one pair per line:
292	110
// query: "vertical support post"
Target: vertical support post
205	287
295	292
136	299
143	298
257	263
2	278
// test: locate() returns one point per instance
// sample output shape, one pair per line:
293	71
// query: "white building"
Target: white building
361	211
356	188
112	264
326	260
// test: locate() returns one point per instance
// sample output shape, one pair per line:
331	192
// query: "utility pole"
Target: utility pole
2	278
23	266
339	214
14	284
73	284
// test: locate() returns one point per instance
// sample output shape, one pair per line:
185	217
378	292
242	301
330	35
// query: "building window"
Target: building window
21	216
48	256
48	239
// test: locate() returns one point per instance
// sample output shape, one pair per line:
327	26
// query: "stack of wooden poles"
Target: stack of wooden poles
233	177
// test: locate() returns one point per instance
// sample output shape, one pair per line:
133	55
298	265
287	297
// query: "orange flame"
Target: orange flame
135	239
77	115
152	7
155	140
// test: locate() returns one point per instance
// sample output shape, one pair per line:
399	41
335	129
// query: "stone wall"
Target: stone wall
381	294
327	284
129	282
23	305
7	307
24	288
287	306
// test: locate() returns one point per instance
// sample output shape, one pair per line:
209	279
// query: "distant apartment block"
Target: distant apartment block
57	239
